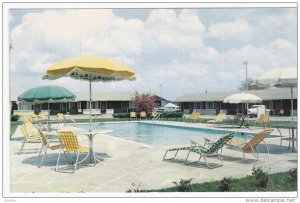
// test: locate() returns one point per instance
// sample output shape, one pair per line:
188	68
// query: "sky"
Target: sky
185	50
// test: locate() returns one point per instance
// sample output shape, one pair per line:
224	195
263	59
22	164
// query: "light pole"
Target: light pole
160	94
246	63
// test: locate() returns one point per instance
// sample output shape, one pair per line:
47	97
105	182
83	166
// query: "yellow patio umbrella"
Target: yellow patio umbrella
90	68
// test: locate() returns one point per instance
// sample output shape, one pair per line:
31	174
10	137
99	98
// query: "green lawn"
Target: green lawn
13	126
277	183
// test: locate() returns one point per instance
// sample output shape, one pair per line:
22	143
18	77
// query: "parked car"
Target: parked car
258	109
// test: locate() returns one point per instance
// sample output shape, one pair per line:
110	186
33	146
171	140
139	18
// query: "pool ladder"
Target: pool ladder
159	117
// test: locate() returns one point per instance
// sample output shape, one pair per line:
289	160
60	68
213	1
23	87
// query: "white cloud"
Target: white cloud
239	29
167	48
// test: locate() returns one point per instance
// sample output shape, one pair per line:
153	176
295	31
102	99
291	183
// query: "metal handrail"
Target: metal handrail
156	117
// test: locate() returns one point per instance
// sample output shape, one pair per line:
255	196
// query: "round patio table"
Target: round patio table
292	127
94	158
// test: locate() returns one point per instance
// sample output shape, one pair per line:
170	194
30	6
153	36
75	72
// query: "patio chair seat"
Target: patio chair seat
251	146
45	146
28	138
202	150
69	144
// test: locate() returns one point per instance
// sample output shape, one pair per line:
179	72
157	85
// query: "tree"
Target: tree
252	85
144	101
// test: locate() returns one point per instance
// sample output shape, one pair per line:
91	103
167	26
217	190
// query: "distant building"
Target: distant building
211	103
100	100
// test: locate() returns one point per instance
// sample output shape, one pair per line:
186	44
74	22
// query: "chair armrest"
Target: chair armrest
195	144
208	141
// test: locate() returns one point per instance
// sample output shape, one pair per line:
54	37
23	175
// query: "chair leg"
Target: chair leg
22	146
186	160
165	155
56	167
176	153
75	165
45	152
37	161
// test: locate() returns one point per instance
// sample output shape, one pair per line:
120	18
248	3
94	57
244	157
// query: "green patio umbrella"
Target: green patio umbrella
46	94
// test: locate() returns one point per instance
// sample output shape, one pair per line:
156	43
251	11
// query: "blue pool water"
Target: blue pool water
156	135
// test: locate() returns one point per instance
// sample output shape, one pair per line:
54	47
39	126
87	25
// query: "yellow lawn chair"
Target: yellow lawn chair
250	147
42	116
28	138
153	114
195	116
219	119
46	145
133	115
60	118
143	114
263	120
26	119
69	145
33	118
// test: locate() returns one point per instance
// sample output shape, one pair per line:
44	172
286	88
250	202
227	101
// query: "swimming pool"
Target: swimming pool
156	135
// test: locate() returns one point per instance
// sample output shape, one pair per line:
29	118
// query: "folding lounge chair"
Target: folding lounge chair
251	146
60	118
153	114
33	118
219	119
263	120
211	151
42	116
28	138
236	122
195	116
202	150
26	119
143	115
69	145
45	146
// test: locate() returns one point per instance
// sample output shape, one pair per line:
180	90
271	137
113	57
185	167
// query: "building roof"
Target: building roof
96	96
104	96
267	94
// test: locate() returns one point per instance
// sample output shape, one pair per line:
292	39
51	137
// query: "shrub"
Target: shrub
120	111
55	112
172	114
73	111
261	177
225	185
14	117
292	175
183	185
121	115
134	189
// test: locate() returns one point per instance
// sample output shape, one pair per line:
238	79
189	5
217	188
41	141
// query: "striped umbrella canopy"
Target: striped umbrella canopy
92	69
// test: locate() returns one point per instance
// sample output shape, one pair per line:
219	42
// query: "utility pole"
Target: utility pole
161	86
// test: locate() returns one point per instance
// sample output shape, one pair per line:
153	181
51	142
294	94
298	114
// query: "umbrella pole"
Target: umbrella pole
292	109
48	123
90	105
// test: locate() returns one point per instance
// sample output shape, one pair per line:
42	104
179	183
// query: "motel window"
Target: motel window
78	105
94	105
209	105
199	105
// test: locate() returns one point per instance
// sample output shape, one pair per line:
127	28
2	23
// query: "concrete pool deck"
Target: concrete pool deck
128	162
